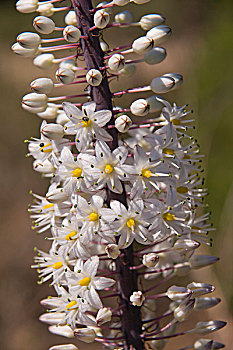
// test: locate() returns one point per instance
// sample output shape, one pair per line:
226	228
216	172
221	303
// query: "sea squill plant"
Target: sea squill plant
124	209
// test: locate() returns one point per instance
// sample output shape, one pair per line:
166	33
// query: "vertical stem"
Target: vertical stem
131	323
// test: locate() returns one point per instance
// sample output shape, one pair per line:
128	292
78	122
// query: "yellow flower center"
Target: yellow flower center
176	122
169	151
108	169
86	122
71	235
44	148
84	282
57	265
147	173
47	206
77	172
168	217
93	216
70	305
182	189
130	223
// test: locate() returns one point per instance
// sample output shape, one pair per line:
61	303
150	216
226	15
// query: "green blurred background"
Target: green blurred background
201	49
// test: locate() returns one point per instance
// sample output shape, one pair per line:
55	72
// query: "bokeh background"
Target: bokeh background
201	49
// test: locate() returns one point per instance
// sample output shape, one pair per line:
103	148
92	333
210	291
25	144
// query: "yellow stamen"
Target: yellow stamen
84	282
71	235
130	223
108	169
86	123
47	206
70	305
182	189
57	265
169	151
77	172
147	173
46	150
93	216
176	122
168	217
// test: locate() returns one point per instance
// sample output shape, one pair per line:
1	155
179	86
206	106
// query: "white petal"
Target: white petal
103	282
102	117
72	111
89	107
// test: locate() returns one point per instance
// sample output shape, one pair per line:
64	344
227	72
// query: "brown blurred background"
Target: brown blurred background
201	49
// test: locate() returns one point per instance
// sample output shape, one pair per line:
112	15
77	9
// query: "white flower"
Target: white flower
137	298
86	124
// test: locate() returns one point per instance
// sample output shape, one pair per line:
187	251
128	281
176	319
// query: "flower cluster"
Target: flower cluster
141	196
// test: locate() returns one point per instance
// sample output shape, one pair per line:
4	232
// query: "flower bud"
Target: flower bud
200	288
104	46
44	61
53	131
27	6
104	315
22	51
205	303
68	64
29	40
35	100
56	195
87	335
43	25
140	107
209	327
176	77
112	251
159	34
161	85
183	246
154	104
62	118
64	347
51	317
149	21
150	260
122	123
108	9
177	293
101	19
65	76
121	2
128	70
42	85
44	167
124	17
46	9
71	34
34	110
182	312
50	112
155	56
116	62
201	343
70	18
137	298
199	261
94	77
64	331
142	45
139	2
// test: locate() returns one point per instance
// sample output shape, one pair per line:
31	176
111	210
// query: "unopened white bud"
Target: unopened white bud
200	288
34	110
199	261
35	100
64	331
140	2
44	61
142	45
205	303
62	118
154	104
108	9
137	298
124	17
116	62
71	19
101	19
104	46
87	335
27	6
46	9
112	251
122	123
150	260
104	315
43	25
121	2
44	167
56	195
64	347
68	64
178	78
94	77
202	344
149	21
42	85
182	312
140	107
155	56
53	131
159	34
22	51
128	70
65	76
29	40
50	112
51	302
183	246
177	293
71	34
209	327
161	85
51	317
